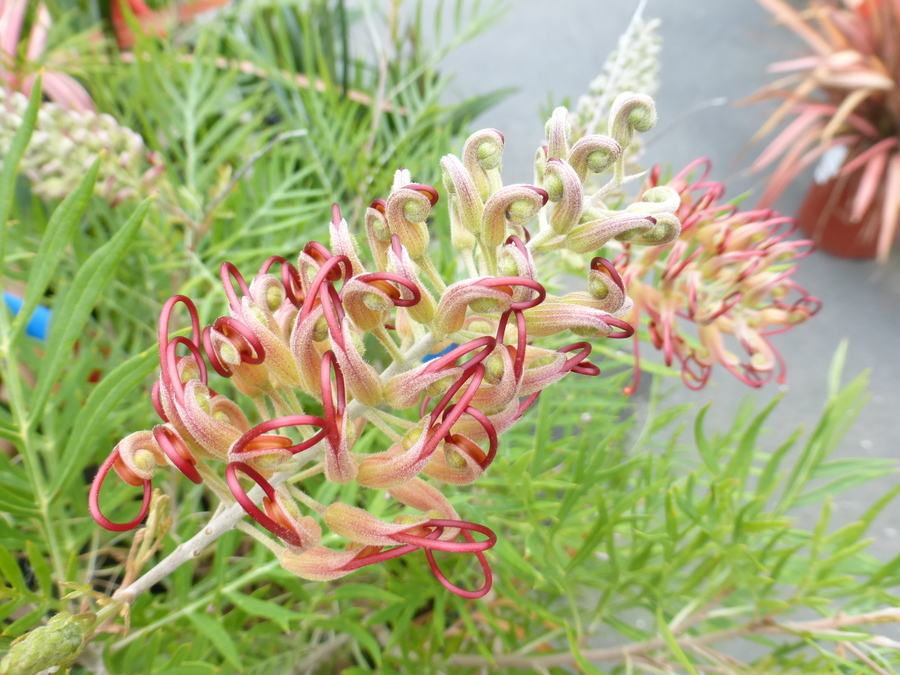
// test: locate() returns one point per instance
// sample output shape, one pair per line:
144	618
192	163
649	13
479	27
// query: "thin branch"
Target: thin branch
301	80
862	656
643	649
255	157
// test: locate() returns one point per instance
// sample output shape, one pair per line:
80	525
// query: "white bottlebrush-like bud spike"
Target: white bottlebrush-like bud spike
66	142
633	66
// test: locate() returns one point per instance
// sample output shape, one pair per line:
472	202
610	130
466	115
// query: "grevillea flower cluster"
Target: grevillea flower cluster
67	142
341	340
729	273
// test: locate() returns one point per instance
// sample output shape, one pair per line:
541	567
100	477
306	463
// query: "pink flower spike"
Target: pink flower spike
555	317
510	282
227	271
381	279
343	242
165	317
12	15
169	372
472	449
510	207
430	543
521	340
290	279
333	409
454	305
566	191
406	210
419	495
63	90
238	336
340	466
326	275
402	462
246	442
37	40
448	360
579	363
360	526
157	402
94	498
485	566
320	563
362	380
474	376
277	525
177	451
367	296
139	455
398	260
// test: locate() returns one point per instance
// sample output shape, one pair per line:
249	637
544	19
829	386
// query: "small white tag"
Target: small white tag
830	163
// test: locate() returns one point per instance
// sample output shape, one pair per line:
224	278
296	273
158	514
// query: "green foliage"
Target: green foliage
615	528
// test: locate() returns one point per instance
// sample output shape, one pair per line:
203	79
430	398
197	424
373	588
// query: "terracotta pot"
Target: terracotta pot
825	217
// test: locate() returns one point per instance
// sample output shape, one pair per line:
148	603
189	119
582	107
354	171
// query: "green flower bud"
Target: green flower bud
57	644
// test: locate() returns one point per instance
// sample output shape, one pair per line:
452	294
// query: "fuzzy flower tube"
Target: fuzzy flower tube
348	336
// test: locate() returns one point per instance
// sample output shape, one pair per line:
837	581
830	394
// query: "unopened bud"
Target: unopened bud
377	302
436	389
320	332
411	437
487	306
494	367
274	297
454	457
554	187
144	460
57	644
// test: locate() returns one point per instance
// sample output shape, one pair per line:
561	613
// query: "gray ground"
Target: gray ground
712	49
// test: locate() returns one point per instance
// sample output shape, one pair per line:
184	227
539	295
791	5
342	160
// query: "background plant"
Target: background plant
841	99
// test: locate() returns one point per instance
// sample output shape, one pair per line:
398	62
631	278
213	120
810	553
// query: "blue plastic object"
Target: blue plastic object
446	350
39	323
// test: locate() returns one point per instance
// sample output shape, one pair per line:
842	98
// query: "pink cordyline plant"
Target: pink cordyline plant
152	21
729	273
19	74
461	357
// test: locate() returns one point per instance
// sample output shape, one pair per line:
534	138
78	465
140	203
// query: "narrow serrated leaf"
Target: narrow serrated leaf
102	401
218	636
12	158
41	569
266	609
706	452
25	622
836	368
673	645
11	572
356	591
365	639
57	236
75	306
